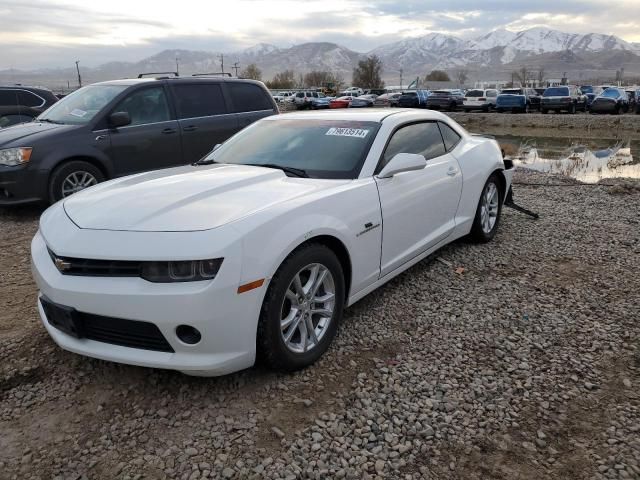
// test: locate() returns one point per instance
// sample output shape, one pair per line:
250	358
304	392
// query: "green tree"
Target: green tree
252	72
437	76
281	80
367	73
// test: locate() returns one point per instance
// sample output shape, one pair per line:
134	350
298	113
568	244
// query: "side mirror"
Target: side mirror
403	162
119	119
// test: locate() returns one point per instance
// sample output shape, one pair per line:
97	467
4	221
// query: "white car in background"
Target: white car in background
479	99
352	91
256	250
283	97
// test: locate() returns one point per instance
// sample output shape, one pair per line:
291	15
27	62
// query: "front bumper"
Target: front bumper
601	107
226	320
557	105
22	185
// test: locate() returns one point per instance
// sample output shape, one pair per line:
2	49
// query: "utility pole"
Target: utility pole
236	67
222	62
400	79
78	70
177	67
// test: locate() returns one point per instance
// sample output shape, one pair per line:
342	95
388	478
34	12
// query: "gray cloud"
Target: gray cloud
454	17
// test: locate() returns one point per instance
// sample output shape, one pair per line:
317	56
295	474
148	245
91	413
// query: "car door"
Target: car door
418	207
203	116
152	139
250	102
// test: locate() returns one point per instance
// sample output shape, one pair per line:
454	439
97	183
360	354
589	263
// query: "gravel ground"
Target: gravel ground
515	359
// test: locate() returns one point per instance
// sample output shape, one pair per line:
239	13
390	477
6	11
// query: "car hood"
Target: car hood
189	198
29	132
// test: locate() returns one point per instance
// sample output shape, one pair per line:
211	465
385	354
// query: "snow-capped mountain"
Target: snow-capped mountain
499	51
422	50
497	48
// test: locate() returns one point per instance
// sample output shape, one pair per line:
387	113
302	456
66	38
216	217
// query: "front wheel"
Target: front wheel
71	177
485	223
302	309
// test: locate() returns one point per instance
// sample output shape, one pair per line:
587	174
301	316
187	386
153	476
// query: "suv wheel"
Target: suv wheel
71	177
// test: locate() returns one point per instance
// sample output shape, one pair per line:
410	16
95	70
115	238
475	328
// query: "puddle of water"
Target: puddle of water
586	160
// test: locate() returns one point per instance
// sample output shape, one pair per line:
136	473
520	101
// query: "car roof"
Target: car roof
371	115
203	79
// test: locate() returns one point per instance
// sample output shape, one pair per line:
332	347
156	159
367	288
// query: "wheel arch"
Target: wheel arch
340	250
81	158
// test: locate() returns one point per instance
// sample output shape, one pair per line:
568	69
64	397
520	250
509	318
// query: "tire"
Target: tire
452	107
544	111
616	110
272	348
499	110
572	109
62	176
480	233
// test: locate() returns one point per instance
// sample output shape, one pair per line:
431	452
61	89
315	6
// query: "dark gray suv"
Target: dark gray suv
120	127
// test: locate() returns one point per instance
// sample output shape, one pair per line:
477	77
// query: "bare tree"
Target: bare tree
284	79
368	73
541	76
462	76
523	75
252	72
318	78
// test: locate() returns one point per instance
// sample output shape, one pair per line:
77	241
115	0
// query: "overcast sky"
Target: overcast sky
50	33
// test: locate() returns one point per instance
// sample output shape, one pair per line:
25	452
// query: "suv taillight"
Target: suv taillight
482	99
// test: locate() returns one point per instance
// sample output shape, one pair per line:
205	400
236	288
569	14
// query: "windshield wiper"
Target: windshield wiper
298	172
49	121
204	162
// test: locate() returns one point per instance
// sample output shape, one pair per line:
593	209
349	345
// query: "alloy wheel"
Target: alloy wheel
76	181
307	308
489	207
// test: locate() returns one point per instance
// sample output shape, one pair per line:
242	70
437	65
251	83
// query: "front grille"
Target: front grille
127	333
96	268
116	331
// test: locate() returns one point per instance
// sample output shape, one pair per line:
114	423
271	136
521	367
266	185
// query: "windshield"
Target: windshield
322	148
513	91
610	93
79	107
556	92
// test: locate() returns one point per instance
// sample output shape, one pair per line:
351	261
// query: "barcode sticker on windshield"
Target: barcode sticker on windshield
347	132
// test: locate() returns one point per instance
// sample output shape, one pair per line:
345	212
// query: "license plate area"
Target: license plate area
65	319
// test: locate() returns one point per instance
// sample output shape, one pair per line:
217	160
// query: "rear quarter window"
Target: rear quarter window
29	99
199	100
450	137
247	97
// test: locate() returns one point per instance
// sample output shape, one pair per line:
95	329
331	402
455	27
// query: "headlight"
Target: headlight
186	271
15	156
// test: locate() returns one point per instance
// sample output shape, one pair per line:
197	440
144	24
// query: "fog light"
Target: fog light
188	335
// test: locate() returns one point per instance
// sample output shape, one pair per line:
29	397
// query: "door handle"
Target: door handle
190	128
101	137
169	130
452	171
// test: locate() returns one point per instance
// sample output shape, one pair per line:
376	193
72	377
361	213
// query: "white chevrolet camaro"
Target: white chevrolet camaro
255	251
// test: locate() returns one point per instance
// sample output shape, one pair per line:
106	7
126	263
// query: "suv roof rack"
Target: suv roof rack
140	75
212	74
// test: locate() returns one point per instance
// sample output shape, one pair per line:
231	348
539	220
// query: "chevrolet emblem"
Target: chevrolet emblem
62	265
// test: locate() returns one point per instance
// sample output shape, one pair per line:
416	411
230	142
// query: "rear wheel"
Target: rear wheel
72	177
302	309
485	223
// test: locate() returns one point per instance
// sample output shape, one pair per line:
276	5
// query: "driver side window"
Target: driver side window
421	138
146	106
